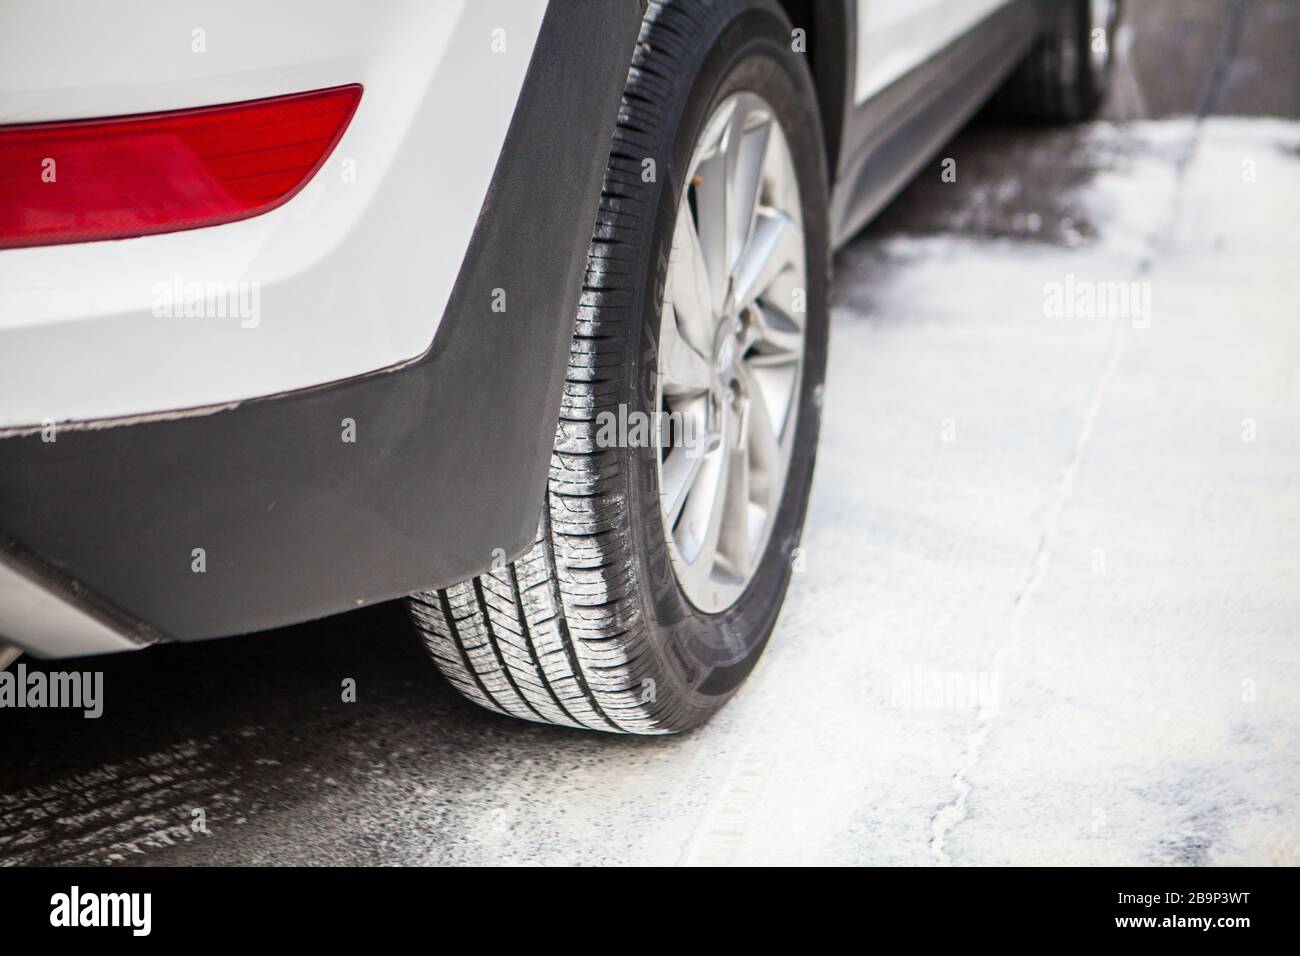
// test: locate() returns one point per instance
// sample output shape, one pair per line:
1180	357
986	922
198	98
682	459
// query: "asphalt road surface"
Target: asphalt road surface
1049	610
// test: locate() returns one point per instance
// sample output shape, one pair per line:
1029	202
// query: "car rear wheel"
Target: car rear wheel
684	451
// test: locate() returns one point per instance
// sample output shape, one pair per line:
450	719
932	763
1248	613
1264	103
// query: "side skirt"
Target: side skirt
892	135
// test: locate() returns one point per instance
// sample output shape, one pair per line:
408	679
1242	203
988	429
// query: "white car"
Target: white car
293	297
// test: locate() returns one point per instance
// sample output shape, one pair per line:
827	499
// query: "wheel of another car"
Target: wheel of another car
1067	72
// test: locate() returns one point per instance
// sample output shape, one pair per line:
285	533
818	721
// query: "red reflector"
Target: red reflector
83	180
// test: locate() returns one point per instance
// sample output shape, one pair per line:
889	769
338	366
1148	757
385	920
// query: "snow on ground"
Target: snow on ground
1111	534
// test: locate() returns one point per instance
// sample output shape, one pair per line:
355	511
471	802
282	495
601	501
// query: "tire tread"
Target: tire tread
556	636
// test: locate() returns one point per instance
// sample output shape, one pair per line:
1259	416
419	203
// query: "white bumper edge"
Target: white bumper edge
47	616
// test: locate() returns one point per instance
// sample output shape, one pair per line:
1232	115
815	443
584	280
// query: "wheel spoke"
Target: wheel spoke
727	460
747	139
734	543
688	285
681	469
775	246
710	190
764	439
727	187
683	371
697	532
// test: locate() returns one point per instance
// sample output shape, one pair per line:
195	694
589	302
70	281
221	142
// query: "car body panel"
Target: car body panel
88	331
896	36
896	129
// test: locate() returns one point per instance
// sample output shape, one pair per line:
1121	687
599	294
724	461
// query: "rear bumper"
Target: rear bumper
449	461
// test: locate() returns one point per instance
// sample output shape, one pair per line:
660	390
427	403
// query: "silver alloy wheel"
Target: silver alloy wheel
731	347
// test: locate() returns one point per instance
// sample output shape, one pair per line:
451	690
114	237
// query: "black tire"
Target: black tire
589	628
1059	81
